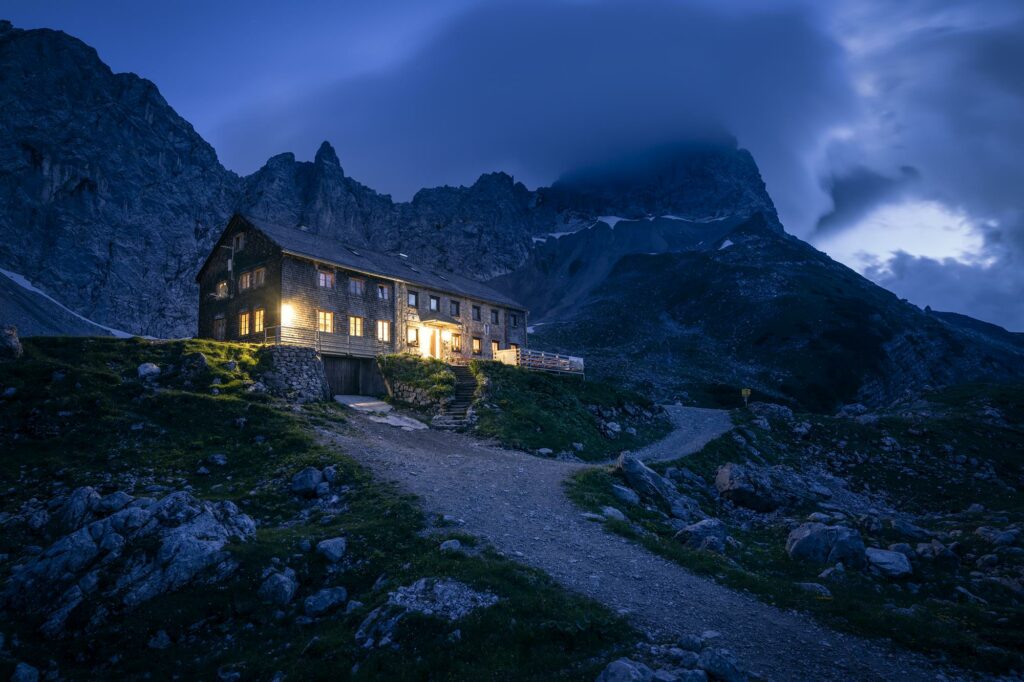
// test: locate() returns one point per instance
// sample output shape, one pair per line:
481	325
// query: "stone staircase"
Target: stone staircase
453	416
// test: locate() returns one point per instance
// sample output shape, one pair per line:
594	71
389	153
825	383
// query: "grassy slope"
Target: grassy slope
532	410
919	478
426	373
71	423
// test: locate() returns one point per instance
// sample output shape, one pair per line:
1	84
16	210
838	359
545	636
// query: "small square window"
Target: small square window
477	345
454	308
494	317
476	313
356	287
355	326
435	303
325	321
414	299
325	279
383	292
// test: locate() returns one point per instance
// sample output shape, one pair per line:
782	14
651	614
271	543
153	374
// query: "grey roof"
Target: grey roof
327	250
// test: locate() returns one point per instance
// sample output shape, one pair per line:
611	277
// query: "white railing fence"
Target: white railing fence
541	361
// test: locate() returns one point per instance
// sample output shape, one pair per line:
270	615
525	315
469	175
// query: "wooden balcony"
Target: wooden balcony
541	361
323	342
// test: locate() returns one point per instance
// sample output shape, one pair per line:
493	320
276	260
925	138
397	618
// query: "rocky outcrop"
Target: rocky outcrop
817	543
127	551
655	487
10	345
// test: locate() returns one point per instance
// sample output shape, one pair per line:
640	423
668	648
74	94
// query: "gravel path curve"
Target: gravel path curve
517	503
694	428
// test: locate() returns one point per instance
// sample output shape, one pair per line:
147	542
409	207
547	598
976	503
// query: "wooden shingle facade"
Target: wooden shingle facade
266	283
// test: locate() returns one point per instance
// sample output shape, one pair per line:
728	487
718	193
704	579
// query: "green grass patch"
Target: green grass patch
533	410
429	374
80	416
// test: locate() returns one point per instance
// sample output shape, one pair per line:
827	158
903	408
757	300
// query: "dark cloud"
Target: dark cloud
858	191
536	88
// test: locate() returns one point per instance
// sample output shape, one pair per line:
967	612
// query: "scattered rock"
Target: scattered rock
10	345
625	494
23	672
649	483
332	549
160	640
720	664
324	601
707	534
820	544
744	486
305	482
452	545
613	513
148	371
815	588
279	587
888	563
545	452
626	670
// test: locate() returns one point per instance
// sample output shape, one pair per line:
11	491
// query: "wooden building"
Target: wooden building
265	283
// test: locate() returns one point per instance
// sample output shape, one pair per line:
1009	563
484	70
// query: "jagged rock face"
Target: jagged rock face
110	201
109	197
758	308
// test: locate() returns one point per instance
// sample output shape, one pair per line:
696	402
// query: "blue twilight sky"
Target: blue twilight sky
890	134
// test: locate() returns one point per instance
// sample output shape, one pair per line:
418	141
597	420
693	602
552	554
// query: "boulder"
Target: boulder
612	513
161	640
707	534
306	481
887	563
817	543
816	589
746	487
10	345
23	672
624	494
650	484
332	549
148	371
626	670
720	664
452	545
942	556
324	601
279	587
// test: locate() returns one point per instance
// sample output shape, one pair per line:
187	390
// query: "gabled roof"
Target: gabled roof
333	252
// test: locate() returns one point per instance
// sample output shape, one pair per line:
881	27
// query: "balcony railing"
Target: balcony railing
324	342
541	361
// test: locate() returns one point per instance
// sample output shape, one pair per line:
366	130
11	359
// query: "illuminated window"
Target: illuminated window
494	317
219	327
495	347
325	279
383	292
356	287
245	281
412	336
457	343
453	308
259	277
414	299
513	320
325	321
477	345
355	326
384	331
476	313
257	320
243	323
238	242
221	290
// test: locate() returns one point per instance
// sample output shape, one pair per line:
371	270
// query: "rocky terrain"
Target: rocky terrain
753	307
904	522
111	200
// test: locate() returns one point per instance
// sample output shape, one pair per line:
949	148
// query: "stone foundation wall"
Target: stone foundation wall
295	374
414	396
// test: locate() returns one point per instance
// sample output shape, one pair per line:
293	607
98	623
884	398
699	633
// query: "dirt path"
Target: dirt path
516	501
694	428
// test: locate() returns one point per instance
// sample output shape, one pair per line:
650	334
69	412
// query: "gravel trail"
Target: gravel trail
516	502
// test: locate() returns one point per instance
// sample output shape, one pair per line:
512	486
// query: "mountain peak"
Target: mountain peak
326	155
